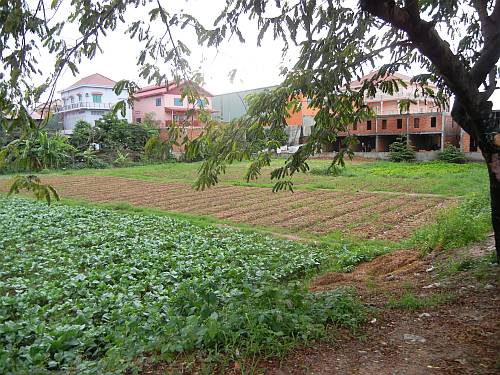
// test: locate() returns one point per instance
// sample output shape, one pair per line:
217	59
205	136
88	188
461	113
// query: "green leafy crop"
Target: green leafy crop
92	291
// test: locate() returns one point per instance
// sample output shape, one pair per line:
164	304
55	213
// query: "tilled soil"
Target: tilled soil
457	337
364	215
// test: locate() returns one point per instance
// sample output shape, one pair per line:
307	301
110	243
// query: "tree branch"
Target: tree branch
430	44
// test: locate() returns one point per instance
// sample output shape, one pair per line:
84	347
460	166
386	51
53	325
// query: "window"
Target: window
354	126
158	102
79	98
96	98
433	122
400	123
138	120
71	99
369	125
202	102
178	102
384	124
416	123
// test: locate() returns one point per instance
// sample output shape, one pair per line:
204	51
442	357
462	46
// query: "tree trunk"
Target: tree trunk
493	162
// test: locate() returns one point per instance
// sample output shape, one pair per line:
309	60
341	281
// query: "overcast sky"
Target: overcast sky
256	66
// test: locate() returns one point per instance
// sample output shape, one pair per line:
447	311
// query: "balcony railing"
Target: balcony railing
185	123
86	105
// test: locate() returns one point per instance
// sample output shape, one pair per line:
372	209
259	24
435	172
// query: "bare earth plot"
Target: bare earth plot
390	216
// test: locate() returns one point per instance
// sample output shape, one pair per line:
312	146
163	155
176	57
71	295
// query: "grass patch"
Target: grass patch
469	222
413	302
438	178
480	267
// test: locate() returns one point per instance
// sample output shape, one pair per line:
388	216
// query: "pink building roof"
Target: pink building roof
170	88
95	79
396	75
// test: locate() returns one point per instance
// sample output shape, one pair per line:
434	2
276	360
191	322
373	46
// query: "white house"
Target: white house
89	99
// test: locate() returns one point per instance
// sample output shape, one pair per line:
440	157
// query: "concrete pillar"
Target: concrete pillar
407	128
378	148
443	119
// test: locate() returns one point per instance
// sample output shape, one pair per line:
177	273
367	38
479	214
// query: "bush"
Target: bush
89	159
122	159
401	150
157	150
452	154
84	135
40	151
116	134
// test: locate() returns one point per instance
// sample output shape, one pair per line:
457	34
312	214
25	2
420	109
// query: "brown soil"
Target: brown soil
461	336
368	215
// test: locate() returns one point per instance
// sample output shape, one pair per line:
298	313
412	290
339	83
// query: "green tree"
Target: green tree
452	154
457	43
401	150
84	135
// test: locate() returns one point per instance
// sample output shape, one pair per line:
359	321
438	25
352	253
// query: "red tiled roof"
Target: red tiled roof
171	88
94	79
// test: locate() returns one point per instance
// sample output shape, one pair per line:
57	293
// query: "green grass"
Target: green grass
90	290
437	177
467	223
413	302
480	267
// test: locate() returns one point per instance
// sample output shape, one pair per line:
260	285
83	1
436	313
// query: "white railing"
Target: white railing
86	105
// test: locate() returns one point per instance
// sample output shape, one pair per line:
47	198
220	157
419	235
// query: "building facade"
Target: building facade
425	125
88	100
468	144
165	104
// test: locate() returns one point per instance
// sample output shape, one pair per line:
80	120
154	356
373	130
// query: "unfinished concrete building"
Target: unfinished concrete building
427	127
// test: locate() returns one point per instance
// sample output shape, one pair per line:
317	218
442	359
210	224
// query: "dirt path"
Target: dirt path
389	216
458	336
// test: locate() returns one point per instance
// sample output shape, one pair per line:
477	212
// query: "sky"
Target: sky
255	66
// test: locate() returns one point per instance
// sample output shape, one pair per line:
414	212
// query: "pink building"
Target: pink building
165	103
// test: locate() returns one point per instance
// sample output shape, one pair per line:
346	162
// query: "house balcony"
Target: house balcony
85	105
186	123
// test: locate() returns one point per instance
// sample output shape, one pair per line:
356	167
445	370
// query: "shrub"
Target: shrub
40	151
84	135
157	150
89	159
452	154
122	159
401	150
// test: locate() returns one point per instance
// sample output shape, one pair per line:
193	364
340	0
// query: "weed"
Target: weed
371	283
481	267
408	285
469	222
410	301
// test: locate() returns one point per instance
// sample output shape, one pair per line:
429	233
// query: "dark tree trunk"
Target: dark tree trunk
493	162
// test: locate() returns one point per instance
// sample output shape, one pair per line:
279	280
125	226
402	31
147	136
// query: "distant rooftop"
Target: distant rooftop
93	79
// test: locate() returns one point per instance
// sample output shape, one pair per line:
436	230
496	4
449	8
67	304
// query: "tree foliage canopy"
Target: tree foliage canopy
455	42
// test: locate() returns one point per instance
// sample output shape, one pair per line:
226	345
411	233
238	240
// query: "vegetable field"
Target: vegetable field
94	291
365	215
